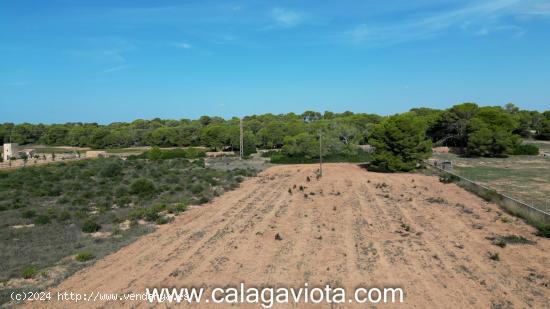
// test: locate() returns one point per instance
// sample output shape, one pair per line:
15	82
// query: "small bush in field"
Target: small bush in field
177	208
494	256
526	149
197	188
90	226
84	256
162	220
29	213
111	169
64	216
136	214
29	272
42	219
151	215
543	232
143	187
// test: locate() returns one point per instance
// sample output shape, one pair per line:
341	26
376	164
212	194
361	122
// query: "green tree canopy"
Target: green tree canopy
490	133
400	143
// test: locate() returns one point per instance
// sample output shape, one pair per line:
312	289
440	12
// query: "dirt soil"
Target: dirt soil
358	229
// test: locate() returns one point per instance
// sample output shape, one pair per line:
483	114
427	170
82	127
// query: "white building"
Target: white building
10	150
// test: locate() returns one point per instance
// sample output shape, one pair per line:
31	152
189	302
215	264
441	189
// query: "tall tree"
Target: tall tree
400	143
490	133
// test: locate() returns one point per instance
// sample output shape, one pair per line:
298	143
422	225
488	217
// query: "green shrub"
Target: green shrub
115	219
81	214
64	215
136	214
203	199
111	169
360	156
84	256
29	272
151	215
159	207
90	226
448	178
436	200
189	153
121	191
177	208
143	187
163	220
269	153
42	219
197	188
29	213
526	149
51	212
514	239
116	231
123	201
543	232
490	195
154	154
499	242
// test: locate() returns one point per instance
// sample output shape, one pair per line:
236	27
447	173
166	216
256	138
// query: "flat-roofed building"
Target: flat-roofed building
10	150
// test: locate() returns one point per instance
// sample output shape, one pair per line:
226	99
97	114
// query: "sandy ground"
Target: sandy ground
358	229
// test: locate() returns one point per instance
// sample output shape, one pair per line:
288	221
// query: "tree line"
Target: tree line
263	131
476	131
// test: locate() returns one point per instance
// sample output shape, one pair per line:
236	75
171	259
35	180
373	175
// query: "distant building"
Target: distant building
442	164
446	165
367	148
10	150
215	154
96	154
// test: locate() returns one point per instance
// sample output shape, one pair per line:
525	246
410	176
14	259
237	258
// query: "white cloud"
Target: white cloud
286	18
538	9
478	19
183	45
116	68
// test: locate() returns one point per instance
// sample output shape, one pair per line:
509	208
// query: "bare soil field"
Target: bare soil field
350	228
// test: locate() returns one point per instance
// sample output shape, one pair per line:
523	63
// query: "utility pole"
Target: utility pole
320	153
241	140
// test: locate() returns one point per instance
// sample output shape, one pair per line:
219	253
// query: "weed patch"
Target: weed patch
84	256
29	272
493	256
436	200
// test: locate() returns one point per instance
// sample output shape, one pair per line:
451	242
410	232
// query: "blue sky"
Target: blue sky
107	60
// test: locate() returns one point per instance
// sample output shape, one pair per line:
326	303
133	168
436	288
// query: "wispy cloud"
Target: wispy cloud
286	18
116	68
183	45
478	19
538	9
